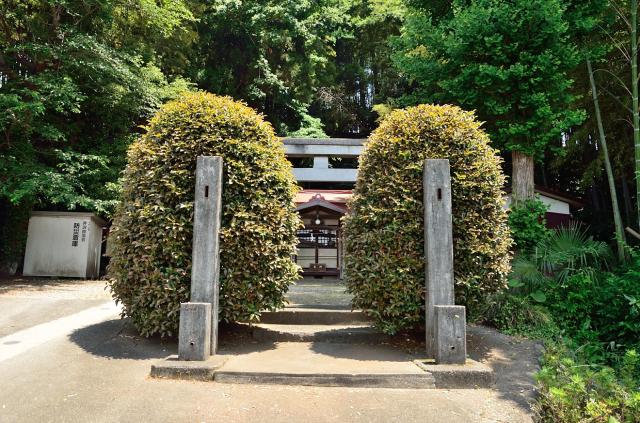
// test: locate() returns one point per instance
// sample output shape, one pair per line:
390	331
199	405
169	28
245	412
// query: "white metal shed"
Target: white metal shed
65	244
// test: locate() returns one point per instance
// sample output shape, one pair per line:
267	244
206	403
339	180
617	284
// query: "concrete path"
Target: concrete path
319	293
98	372
310	357
29	302
22	341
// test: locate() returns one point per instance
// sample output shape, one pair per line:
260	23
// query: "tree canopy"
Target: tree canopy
76	79
80	79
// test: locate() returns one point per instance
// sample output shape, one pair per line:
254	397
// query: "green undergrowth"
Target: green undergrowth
573	387
569	293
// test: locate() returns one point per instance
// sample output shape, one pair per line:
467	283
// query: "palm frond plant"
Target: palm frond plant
570	249
567	251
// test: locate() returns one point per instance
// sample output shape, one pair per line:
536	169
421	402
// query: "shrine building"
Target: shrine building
326	170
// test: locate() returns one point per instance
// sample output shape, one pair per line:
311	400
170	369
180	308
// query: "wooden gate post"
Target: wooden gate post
444	342
205	267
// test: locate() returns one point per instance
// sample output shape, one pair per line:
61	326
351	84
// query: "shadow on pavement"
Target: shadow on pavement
361	352
118	339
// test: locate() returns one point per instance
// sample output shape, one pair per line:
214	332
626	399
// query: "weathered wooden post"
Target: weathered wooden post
205	267
194	333
445	322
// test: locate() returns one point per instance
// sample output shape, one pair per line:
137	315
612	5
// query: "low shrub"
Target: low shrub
384	241
590	369
604	304
528	225
574	391
152	230
518	315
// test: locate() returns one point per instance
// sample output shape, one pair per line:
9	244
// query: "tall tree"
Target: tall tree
508	60
363	73
622	36
75	83
634	94
270	53
72	91
620	239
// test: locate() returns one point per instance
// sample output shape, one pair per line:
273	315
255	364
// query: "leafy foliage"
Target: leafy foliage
606	306
383	232
508	60
528	224
590	370
518	315
565	252
572	391
310	127
593	373
76	79
270	53
362	74
152	230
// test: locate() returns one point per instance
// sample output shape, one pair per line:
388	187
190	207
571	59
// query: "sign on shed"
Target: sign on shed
63	244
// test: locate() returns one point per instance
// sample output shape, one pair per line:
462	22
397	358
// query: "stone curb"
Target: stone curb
471	375
172	368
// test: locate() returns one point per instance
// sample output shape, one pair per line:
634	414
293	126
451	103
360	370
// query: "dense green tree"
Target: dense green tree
601	35
327	59
509	60
364	75
75	82
272	54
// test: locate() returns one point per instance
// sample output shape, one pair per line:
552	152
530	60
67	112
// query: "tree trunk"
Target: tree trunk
620	240
522	188
634	94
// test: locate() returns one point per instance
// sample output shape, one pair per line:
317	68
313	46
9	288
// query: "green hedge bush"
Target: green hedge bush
384	231
152	231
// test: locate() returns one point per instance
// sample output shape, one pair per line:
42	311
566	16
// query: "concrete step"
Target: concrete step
350	334
326	364
401	381
313	316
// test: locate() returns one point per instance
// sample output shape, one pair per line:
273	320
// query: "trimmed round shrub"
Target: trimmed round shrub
150	267
384	239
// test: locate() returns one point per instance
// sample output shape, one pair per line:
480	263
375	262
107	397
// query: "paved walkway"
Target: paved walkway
319	293
90	366
28	302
